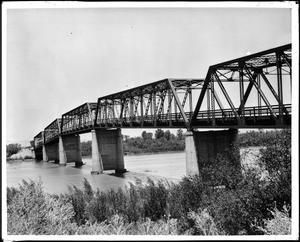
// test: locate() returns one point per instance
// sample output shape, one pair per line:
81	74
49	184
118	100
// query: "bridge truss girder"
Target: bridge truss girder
38	140
52	131
257	75
165	103
79	120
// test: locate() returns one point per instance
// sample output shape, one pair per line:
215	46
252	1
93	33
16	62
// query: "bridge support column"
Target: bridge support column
52	152
38	153
120	154
69	150
202	148
190	154
62	153
97	165
107	151
45	157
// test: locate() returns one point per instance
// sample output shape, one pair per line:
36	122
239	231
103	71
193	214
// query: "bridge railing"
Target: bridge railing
254	112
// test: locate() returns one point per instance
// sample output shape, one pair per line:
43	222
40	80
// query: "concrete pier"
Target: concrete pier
38	153
69	150
107	151
97	164
202	148
45	157
52	152
190	154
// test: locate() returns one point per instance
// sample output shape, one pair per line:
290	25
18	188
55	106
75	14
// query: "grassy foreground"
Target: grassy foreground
231	202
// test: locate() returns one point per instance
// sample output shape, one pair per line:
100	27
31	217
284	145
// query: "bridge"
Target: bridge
253	91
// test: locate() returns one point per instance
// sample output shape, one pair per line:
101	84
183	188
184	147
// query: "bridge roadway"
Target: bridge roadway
247	92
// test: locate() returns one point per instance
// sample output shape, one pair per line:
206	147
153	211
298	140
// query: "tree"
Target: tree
86	148
159	133
146	135
180	134
12	149
167	135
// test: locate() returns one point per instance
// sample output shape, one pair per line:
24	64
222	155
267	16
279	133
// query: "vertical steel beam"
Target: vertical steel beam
131	111
142	111
105	113
279	85
169	111
208	103
191	104
113	106
258	95
242	102
154	107
212	90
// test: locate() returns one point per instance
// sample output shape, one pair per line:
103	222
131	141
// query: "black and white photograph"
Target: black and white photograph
150	120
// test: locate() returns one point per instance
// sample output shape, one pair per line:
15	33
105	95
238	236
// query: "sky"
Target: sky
60	58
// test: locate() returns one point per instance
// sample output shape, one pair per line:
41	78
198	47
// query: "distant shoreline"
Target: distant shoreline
145	153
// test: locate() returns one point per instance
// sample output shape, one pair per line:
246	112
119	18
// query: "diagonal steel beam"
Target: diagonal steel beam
273	91
186	122
227	96
251	79
202	94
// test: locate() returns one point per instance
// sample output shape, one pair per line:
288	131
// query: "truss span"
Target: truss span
253	91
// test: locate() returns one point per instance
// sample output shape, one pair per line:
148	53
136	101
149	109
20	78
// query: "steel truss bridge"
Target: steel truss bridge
253	91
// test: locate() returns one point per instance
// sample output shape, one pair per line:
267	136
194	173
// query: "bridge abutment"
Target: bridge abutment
107	151
202	148
70	150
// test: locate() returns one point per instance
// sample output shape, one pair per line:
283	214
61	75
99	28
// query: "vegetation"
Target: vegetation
256	138
86	148
163	141
244	204
12	149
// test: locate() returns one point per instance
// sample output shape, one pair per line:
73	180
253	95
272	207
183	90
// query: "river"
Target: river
56	179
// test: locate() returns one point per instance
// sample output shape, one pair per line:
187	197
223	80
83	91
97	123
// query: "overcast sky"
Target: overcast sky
58	59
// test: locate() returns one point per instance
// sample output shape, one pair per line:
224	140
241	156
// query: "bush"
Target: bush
204	223
28	157
86	148
280	224
12	149
31	211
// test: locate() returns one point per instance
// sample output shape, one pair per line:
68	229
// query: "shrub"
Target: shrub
280	224
276	159
12	149
28	157
204	223
31	211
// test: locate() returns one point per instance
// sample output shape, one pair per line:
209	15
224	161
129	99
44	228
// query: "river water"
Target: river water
56	179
